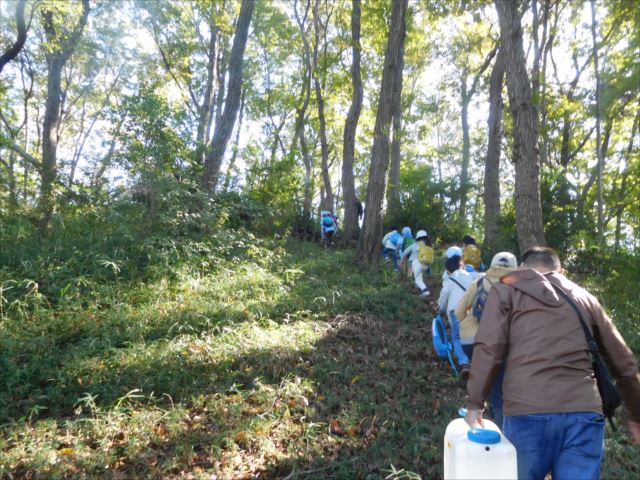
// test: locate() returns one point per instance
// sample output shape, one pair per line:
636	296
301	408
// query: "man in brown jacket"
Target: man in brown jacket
552	408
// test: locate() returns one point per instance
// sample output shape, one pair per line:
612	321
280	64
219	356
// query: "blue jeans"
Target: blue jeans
569	445
455	339
394	255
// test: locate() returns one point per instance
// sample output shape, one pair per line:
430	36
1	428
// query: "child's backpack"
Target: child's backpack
477	306
327	221
425	254
472	255
395	238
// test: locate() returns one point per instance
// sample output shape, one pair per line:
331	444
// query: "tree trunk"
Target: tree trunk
205	110
623	184
351	227
327	203
224	127
369	242
492	163
393	187
599	152
13	51
525	129
466	151
305	94
466	94
62	45
236	147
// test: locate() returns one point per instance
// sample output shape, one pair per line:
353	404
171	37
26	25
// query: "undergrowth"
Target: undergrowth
221	355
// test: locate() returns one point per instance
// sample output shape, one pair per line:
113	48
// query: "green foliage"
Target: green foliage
186	345
421	203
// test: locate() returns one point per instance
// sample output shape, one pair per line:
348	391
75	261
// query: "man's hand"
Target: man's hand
634	427
474	419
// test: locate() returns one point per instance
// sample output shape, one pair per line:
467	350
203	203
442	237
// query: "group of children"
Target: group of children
464	289
419	252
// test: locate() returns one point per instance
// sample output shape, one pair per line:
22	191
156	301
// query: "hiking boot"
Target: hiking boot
425	294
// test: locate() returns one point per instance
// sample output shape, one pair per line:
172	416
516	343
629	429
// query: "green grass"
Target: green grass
273	359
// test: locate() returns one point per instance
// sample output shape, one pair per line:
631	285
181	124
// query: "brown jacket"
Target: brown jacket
539	337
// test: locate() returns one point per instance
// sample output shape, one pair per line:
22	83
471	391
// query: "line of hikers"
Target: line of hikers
534	356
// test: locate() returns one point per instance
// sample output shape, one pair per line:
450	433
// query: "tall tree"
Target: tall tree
599	152
301	110
393	186
351	227
224	127
369	242
466	95
320	30
492	161
60	45
13	51
525	128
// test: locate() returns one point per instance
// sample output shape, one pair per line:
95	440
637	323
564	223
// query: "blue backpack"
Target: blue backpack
477	306
441	342
395	238
327	221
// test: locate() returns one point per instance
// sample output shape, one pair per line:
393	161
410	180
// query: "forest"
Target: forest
166	307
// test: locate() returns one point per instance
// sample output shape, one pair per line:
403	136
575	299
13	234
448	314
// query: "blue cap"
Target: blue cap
483	436
453	252
406	232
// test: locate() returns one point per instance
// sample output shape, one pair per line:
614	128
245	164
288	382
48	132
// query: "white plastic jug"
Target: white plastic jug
478	454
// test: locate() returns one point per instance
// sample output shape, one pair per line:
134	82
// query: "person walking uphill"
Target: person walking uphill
456	282
469	311
421	257
553	411
390	246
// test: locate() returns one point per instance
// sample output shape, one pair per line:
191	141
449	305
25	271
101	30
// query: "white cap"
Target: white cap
421	234
504	259
453	251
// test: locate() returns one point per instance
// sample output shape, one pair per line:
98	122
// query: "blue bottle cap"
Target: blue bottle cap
483	436
462	412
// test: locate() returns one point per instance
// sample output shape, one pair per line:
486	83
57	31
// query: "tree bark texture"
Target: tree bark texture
13	51
61	46
525	129
351	226
236	147
393	187
492	162
369	242
224	127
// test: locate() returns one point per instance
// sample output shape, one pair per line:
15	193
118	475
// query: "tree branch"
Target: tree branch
485	65
14	50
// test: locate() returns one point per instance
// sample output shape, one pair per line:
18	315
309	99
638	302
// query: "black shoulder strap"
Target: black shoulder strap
480	283
457	283
593	345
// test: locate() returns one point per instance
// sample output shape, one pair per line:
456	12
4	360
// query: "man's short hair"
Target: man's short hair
542	257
